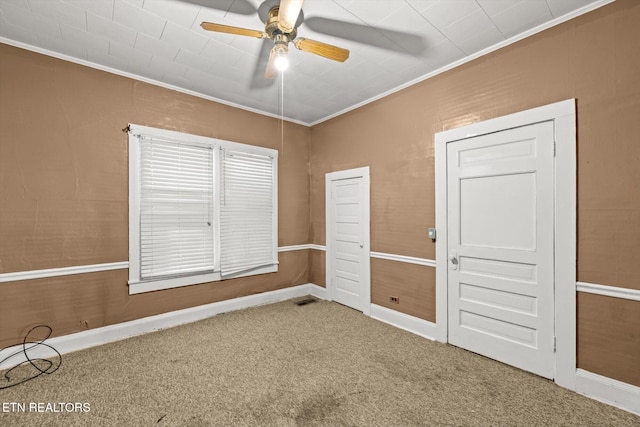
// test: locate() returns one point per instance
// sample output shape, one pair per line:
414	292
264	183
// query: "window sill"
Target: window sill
139	287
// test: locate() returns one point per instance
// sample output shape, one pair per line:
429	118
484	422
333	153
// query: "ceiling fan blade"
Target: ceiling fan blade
257	78
288	14
242	7
210	26
271	70
392	40
326	50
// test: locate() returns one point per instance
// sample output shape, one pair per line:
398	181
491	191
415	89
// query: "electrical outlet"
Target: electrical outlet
394	300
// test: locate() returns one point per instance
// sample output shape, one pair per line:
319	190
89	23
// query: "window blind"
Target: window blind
247	235
176	209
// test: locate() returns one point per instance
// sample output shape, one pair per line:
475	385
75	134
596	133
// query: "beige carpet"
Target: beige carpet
287	365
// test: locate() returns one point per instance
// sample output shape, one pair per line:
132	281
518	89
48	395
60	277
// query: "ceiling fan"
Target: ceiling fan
281	28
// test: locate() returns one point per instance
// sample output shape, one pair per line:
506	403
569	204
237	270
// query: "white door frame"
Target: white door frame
563	116
363	173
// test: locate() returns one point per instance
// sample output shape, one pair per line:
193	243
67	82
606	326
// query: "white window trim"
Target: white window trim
139	286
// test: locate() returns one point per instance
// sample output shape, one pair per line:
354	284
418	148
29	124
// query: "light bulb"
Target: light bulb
281	62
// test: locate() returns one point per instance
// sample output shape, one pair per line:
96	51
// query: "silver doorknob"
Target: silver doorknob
453	257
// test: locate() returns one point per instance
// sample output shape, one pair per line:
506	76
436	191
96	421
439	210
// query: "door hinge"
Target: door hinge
554	344
554	148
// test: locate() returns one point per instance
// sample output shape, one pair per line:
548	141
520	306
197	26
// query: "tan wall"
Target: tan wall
317	267
63	178
608	330
64	191
413	285
595	59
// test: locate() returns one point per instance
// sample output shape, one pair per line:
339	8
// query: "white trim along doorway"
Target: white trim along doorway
348	262
562	117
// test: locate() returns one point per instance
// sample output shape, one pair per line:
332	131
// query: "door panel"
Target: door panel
500	243
348	256
491	203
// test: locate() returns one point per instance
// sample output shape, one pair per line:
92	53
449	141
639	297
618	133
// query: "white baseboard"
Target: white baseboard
318	291
98	336
400	320
612	392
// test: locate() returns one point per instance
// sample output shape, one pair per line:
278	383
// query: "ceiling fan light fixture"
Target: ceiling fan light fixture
281	50
281	62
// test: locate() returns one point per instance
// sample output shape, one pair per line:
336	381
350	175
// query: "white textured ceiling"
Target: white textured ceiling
392	43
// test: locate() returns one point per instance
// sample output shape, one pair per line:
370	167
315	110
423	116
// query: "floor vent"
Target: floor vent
306	301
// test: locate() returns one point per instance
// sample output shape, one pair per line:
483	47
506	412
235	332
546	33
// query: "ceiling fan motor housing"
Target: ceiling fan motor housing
273	29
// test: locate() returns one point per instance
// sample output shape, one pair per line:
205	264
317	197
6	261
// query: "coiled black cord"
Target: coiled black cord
51	366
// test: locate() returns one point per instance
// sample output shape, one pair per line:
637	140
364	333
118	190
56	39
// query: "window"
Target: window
200	209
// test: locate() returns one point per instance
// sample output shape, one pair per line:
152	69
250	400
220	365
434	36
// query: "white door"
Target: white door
501	246
348	265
